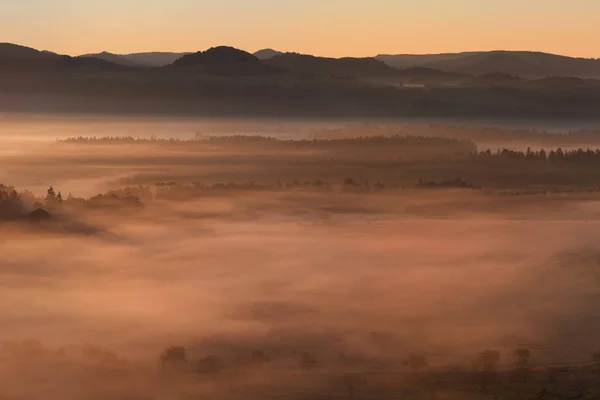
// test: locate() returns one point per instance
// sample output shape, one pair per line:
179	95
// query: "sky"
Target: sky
322	27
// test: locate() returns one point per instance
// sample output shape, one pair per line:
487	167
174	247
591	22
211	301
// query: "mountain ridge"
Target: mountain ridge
306	64
529	64
153	59
525	64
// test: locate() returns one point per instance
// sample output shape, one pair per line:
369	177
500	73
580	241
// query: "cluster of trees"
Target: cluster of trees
399	148
486	373
181	191
111	199
473	132
16	205
579	156
122	140
11	204
457	183
176	359
52	197
485	364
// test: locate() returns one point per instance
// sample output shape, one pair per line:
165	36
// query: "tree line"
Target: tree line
574	156
457	148
360	141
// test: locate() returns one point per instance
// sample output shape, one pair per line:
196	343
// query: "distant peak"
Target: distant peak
266	54
217	55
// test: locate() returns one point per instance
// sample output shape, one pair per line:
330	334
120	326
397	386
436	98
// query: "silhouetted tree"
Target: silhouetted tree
51	195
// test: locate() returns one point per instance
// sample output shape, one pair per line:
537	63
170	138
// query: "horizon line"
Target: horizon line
312	54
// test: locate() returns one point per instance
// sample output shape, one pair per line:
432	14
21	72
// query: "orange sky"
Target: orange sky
322	27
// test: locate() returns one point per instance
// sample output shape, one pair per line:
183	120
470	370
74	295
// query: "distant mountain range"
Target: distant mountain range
225	80
230	61
518	63
160	59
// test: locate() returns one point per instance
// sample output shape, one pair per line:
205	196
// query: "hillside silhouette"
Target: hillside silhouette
24	59
227	81
520	63
403	61
525	64
224	60
265	54
147	60
14	51
343	67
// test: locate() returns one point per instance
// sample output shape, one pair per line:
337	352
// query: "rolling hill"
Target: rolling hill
146	60
15	58
15	51
521	63
333	67
404	61
223	60
266	54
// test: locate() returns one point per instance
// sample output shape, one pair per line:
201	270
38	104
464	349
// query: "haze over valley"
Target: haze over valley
351	200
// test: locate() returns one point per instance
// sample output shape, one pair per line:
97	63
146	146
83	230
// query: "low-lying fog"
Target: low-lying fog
442	273
265	270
